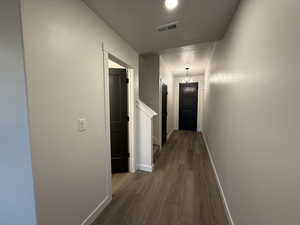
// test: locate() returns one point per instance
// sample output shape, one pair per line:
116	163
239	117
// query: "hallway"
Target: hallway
182	190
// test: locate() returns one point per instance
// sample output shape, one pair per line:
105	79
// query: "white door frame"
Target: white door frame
197	79
131	111
160	112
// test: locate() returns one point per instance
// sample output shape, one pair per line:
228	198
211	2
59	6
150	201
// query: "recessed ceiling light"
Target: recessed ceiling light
171	4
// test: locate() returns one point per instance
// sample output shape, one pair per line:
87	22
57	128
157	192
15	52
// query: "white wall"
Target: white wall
166	77
144	159
181	79
252	122
64	63
17	205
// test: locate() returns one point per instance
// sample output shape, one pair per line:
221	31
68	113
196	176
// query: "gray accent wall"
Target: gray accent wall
17	205
149	88
252	113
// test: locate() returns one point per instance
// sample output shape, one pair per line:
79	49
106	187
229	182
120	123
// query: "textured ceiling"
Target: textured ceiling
136	21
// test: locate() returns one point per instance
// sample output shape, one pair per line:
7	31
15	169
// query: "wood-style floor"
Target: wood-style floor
182	190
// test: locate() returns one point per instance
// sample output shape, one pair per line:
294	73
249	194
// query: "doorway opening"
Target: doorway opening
120	95
119	122
119	119
188	106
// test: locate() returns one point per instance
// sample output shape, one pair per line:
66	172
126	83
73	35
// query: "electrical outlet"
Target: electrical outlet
81	124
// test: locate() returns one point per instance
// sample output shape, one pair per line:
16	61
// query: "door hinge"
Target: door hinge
127	80
127	118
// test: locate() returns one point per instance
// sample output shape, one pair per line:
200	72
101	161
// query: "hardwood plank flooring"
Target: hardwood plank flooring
182	190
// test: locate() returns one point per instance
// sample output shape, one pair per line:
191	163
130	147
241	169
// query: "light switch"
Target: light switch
81	124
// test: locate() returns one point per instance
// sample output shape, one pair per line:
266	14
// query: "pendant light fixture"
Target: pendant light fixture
187	75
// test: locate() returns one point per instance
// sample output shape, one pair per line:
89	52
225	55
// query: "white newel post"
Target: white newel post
144	136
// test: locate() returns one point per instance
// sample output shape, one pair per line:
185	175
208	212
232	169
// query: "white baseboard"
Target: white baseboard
144	167
169	134
225	204
96	212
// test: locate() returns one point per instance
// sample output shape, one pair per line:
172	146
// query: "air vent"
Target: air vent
169	26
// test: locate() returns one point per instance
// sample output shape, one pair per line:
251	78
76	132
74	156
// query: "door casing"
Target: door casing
131	70
188	106
164	113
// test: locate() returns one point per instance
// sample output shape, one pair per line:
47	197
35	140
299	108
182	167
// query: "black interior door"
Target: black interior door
164	116
188	106
118	94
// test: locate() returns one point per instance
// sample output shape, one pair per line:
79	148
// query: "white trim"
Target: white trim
169	134
225	204
146	109
131	106
199	79
145	167
132	119
107	122
145	138
96	212
160	112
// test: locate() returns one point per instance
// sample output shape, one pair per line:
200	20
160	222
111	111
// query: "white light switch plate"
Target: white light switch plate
81	124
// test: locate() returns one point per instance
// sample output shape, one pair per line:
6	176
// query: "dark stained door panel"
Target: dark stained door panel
164	116
118	95
188	106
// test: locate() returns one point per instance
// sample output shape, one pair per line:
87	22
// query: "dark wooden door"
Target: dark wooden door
164	114
188	106
118	94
